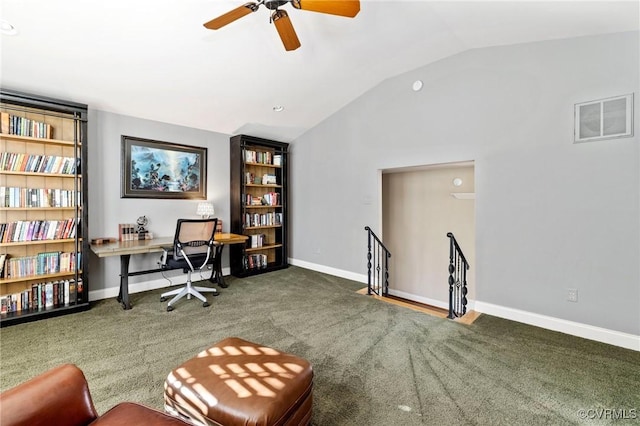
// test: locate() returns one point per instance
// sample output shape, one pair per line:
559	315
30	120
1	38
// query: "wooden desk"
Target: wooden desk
125	249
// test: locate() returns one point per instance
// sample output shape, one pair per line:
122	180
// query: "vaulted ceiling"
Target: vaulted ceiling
155	59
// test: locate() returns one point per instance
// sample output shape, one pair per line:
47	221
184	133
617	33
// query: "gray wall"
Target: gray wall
107	209
550	214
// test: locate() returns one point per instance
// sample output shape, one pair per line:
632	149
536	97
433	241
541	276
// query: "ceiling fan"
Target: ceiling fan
280	18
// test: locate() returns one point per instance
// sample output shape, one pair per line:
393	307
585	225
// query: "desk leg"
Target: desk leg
216	272
123	295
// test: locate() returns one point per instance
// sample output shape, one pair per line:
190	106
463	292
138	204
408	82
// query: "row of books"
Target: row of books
11	196
257	240
253	200
16	125
265	179
38	230
42	296
129	232
262	157
264	219
255	261
268	199
43	263
35	163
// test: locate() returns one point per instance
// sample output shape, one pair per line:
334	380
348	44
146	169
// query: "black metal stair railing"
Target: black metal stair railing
377	265
458	267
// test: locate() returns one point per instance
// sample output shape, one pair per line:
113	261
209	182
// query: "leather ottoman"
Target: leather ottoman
237	382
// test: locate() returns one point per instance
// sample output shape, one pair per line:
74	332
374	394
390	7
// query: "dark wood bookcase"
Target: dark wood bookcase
44	240
259	182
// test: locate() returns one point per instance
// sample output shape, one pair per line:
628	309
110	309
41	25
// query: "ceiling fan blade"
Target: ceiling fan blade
285	30
348	8
229	17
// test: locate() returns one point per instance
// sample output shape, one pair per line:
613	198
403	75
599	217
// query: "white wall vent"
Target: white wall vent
604	119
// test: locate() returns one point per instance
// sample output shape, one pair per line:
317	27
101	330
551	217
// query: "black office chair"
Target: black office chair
193	248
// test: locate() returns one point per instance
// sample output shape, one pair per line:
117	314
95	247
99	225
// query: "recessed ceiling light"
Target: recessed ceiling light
7	28
417	85
278	108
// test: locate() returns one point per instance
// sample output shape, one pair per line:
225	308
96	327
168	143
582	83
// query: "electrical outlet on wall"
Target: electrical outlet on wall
572	294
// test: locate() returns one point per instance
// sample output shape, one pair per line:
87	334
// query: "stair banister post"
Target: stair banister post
368	259
451	279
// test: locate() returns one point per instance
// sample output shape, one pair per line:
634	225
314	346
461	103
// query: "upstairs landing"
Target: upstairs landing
467	319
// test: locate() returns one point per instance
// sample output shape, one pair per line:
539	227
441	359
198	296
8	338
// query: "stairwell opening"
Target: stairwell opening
420	205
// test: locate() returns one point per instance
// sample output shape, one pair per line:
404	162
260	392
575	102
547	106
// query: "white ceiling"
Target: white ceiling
155	60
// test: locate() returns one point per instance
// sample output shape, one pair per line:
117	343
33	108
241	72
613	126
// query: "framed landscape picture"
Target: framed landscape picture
155	169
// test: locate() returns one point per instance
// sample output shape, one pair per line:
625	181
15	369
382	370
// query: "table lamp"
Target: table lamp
205	210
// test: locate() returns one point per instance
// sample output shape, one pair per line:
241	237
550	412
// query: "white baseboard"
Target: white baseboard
328	270
612	337
147	285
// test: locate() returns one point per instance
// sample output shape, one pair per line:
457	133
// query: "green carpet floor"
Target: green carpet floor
374	363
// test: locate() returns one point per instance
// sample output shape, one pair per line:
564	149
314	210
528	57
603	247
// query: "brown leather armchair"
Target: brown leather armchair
60	397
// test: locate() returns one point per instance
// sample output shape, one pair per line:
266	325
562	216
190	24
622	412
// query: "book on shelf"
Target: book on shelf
251	220
79	291
257	240
268	199
277	160
42	296
255	261
73	294
143	235
48	292
258	157
4	122
269	179
271	199
3	259
37	230
43	263
127	232
22	126
34	163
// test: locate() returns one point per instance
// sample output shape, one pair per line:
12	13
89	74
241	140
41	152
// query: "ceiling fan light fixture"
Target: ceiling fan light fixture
280	18
274	4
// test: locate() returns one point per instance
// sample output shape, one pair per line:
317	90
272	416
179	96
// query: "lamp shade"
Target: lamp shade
205	210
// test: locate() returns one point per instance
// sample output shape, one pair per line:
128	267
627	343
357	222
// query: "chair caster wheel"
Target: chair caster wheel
163	299
205	304
215	293
169	308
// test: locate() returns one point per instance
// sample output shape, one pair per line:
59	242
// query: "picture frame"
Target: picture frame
157	169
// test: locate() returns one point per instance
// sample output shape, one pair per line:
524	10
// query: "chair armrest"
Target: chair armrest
130	413
166	252
59	396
